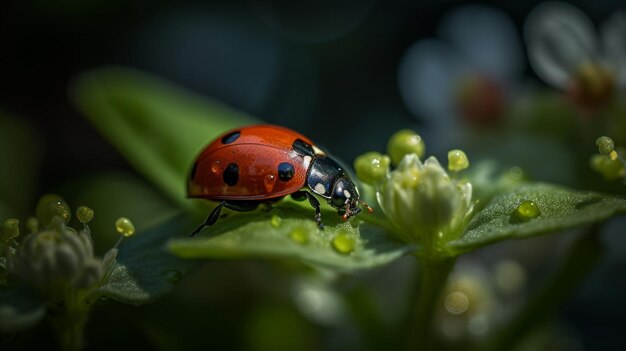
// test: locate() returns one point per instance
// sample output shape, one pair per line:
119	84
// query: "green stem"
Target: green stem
432	274
582	256
69	322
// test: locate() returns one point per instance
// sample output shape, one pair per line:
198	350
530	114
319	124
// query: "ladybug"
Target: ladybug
257	164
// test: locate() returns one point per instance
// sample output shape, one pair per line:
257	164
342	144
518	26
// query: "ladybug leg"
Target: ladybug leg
301	195
211	219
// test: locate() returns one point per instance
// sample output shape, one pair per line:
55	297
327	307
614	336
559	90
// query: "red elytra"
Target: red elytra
257	151
263	163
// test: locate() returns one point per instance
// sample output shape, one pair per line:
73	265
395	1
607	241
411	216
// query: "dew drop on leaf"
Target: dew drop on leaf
276	221
527	210
299	235
343	243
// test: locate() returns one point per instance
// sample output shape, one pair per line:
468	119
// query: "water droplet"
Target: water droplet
269	181
343	243
456	302
215	167
299	235
173	276
527	210
276	221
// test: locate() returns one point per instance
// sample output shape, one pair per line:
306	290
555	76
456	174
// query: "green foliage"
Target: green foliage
144	270
159	128
253	235
560	209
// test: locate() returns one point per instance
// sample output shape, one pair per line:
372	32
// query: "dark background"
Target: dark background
325	68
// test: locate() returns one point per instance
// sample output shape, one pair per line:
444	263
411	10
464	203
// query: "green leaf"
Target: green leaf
289	231
560	209
159	127
144	269
19	310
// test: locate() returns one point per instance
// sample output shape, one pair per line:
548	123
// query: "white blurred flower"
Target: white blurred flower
567	52
465	76
424	204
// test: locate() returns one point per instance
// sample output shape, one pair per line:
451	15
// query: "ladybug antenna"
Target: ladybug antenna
369	209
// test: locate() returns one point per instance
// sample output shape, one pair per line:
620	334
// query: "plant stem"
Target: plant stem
69	322
432	274
582	256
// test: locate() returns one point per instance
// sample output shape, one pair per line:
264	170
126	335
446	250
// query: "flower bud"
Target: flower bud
605	145
611	169
424	204
372	167
405	142
51	206
124	226
84	214
457	160
9	231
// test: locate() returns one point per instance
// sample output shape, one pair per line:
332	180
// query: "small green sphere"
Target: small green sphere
343	243
610	169
405	142
372	167
527	210
84	214
51	206
10	230
605	145
124	226
457	160
299	235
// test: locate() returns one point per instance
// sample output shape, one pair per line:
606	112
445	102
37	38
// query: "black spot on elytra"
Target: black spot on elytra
192	175
303	148
231	174
230	137
285	171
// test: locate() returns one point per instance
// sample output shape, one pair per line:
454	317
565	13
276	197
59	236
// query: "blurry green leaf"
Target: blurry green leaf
295	236
114	195
560	209
145	270
159	127
19	310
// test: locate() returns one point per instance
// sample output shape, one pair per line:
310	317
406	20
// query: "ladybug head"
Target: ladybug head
345	198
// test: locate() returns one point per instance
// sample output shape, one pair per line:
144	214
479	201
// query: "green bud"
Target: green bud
84	214
457	160
610	169
405	142
605	145
10	230
124	226
51	206
32	224
424	204
372	167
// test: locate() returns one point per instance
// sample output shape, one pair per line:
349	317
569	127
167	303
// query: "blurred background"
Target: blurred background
343	73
